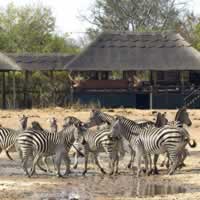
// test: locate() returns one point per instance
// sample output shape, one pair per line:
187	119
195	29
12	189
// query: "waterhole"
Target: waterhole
91	187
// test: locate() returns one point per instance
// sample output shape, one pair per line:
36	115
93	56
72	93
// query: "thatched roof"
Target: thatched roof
137	51
31	61
7	63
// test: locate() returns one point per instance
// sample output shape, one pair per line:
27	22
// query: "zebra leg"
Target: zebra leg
76	155
146	158
67	163
174	158
164	160
184	154
58	160
86	162
139	154
40	167
132	152
44	160
8	155
35	162
138	163
97	163
155	160
24	166
150	170
117	164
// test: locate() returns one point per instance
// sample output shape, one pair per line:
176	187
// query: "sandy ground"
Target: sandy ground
14	185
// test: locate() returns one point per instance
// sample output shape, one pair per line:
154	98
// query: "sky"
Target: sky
67	12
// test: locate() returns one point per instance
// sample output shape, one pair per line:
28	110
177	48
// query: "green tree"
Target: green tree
135	15
31	29
196	39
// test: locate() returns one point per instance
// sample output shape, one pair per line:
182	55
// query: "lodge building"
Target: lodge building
140	70
155	70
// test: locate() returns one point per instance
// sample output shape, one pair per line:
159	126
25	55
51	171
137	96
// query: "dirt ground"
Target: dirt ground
14	184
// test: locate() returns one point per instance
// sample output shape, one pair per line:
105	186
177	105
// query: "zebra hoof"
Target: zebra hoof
162	165
60	176
103	172
75	167
129	166
150	172
84	172
111	173
155	172
144	171
170	173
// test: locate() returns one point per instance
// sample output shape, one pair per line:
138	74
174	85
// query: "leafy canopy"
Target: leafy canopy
31	29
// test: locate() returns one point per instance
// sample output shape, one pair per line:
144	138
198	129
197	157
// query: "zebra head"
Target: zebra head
97	118
23	122
79	126
182	116
53	124
70	120
36	126
161	120
116	128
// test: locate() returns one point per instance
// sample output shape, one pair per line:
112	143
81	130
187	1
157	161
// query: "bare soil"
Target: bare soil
185	184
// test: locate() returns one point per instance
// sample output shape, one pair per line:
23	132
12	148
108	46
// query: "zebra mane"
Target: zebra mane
103	116
36	125
179	112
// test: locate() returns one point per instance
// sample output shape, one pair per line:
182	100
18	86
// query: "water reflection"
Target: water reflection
91	187
153	189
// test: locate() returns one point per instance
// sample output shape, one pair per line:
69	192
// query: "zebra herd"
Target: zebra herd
114	135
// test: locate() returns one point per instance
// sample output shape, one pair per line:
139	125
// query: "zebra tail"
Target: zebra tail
193	144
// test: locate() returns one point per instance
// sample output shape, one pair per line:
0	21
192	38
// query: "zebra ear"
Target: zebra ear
116	117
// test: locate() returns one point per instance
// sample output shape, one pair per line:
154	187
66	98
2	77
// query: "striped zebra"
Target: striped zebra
96	142
97	117
8	136
78	153
41	143
53	124
151	141
181	118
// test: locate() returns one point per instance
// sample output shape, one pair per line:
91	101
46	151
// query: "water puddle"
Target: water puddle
91	187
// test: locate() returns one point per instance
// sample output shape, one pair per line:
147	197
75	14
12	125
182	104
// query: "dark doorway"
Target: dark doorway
142	101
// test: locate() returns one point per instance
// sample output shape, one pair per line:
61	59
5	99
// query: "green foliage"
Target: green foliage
135	15
196	42
31	29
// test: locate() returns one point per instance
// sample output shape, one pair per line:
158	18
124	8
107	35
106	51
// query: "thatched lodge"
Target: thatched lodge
141	70
21	92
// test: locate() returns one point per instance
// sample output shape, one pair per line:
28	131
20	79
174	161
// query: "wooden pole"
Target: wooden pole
3	89
14	90
182	81
25	89
52	81
151	97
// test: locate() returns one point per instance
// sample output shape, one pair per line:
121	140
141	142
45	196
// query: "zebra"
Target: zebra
96	142
97	117
53	124
8	136
151	141
39	143
78	153
181	118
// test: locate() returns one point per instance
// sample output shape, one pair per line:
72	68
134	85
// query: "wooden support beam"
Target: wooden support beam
14	90
3	90
53	92
25	89
182	81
